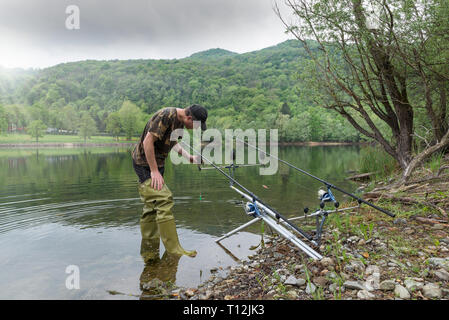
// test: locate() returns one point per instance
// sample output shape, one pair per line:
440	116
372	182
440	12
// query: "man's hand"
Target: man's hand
157	181
196	159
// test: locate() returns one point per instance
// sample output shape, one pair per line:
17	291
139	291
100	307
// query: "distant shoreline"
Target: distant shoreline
130	144
65	145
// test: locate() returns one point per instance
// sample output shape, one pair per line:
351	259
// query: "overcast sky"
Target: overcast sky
34	33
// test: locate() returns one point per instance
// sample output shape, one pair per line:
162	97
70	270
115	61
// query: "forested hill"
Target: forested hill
260	89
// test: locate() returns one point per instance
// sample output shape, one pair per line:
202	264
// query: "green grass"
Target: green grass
50	138
375	159
435	162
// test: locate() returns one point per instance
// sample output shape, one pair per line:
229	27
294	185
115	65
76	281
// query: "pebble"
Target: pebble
320	281
442	274
387	285
327	262
354	266
365	295
439	262
292	295
432	290
413	285
400	221
373	280
401	292
310	288
354	285
293	281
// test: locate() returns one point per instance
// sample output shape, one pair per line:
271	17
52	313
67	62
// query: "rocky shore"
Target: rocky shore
367	255
401	260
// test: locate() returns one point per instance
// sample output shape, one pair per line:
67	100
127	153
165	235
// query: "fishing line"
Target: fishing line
328	185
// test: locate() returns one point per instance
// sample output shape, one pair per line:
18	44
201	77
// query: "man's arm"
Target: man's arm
177	147
157	181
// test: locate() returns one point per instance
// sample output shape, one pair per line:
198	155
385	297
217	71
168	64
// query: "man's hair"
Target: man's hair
193	106
189	109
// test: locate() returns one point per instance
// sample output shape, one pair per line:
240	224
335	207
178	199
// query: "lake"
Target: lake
80	207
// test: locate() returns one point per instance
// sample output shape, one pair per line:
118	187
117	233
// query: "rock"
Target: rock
354	266
401	292
154	283
442	274
278	255
320	281
353	239
365	295
387	285
400	221
310	288
439	262
432	291
299	267
412	285
372	282
281	271
292	295
190	292
293	281
354	285
207	295
372	269
327	262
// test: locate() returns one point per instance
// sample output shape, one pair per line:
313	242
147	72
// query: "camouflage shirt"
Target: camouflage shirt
161	125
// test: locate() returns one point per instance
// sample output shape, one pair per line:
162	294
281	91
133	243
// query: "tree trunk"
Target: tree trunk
419	158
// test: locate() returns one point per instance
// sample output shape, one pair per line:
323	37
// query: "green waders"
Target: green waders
157	220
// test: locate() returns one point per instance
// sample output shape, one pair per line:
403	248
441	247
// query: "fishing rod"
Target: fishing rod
328	185
252	197
261	211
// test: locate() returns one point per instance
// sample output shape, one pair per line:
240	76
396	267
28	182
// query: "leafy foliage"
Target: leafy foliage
260	89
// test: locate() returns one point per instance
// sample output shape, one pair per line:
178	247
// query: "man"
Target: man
149	156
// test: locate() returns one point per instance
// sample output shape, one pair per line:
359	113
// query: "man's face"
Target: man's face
190	123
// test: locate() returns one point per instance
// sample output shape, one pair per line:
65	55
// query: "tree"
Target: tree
380	60
86	127
36	129
3	120
113	124
285	109
131	119
70	119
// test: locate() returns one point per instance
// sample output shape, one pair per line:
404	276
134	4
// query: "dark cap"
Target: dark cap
199	113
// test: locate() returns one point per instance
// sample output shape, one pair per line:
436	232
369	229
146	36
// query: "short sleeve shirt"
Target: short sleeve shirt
161	125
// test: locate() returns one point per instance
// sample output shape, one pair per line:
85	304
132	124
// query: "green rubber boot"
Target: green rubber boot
169	236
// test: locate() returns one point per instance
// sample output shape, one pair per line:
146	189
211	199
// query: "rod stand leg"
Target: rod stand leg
243	226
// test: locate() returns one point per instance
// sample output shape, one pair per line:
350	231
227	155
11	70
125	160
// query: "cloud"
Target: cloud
133	29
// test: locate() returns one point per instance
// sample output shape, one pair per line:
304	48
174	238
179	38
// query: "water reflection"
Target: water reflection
158	273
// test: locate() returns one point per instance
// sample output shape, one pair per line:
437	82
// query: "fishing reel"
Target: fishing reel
251	209
327	196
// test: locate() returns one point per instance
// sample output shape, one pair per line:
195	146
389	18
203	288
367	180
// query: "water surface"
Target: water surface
61	207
